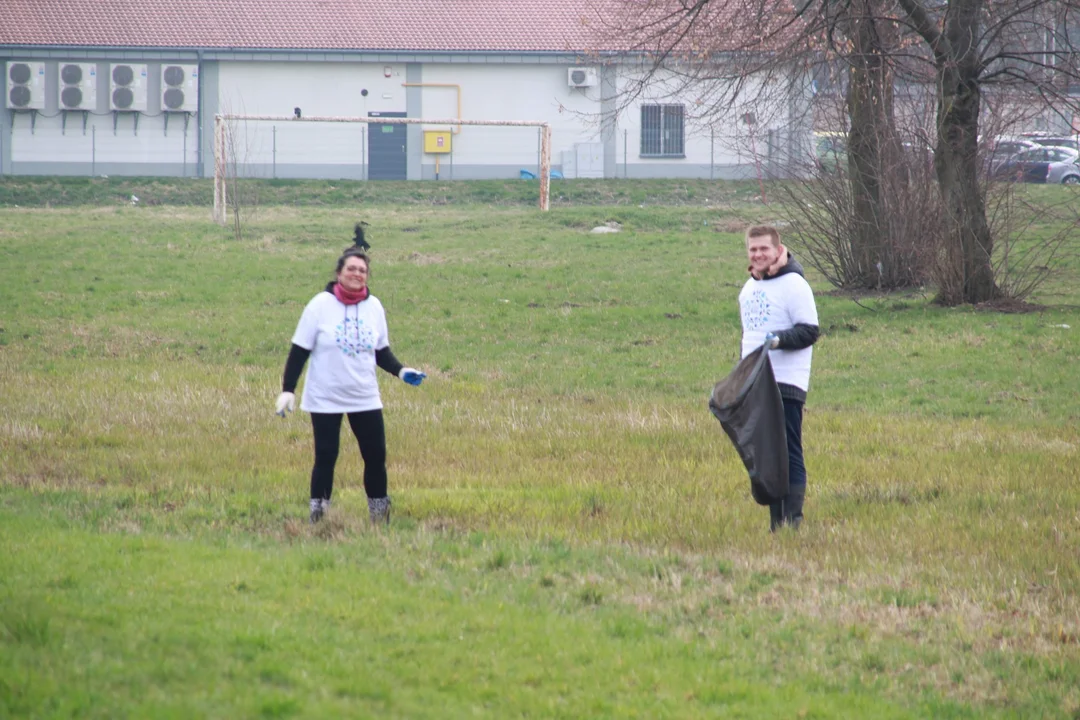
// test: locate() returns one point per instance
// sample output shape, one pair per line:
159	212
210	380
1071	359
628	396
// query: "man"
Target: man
777	307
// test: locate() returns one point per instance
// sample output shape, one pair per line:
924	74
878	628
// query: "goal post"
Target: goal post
221	128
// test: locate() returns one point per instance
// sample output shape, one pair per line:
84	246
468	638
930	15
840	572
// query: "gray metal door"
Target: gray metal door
387	154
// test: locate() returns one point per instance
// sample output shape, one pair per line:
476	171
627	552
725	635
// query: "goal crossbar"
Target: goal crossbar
221	128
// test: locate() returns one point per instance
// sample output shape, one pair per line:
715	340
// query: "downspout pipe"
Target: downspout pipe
202	119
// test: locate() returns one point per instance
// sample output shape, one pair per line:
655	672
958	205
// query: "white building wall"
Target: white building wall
721	145
50	144
318	89
510	92
488	91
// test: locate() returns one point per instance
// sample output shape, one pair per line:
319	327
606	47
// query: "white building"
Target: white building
117	87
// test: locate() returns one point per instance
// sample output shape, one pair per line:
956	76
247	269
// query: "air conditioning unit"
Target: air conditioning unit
128	87
179	88
78	86
26	85
580	77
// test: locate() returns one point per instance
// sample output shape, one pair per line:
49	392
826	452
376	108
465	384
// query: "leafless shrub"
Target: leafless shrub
1033	241
242	193
1030	240
901	251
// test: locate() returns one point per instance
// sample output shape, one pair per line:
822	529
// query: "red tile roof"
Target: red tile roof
422	25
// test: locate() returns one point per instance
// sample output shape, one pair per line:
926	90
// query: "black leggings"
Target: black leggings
368	428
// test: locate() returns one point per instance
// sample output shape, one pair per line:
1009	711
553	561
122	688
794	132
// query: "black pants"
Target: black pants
793	412
789	510
368	428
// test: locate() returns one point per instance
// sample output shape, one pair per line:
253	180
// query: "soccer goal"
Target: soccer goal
224	121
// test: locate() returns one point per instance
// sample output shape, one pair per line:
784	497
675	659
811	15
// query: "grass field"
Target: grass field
573	535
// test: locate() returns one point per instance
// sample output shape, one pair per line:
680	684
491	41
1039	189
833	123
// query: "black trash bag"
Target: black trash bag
748	405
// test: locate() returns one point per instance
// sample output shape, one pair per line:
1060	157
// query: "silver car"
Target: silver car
1050	165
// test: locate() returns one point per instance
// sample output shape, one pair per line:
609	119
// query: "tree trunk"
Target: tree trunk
872	142
967	274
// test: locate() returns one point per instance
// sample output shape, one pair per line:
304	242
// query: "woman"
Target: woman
343	331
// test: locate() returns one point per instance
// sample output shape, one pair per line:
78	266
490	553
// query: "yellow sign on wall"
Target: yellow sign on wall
436	141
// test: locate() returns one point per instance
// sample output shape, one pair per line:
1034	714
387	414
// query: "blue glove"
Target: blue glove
772	341
413	377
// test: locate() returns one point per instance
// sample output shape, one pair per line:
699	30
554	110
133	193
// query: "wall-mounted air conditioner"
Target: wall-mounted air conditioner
179	88
25	85
78	86
128	87
581	77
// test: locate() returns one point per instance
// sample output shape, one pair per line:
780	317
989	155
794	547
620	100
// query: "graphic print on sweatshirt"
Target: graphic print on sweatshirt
755	310
353	336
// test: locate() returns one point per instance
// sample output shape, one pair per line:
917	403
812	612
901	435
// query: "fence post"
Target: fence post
274	152
93	150
712	151
625	157
545	167
219	170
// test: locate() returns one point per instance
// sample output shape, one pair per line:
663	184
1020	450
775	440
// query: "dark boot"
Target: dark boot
793	504
318	509
776	515
379	510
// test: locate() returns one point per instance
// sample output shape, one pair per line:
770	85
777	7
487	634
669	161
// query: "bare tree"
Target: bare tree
1025	47
760	53
1023	51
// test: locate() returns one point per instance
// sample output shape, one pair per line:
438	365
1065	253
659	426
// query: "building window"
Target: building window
662	131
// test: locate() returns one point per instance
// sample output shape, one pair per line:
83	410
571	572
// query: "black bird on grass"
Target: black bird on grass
358	236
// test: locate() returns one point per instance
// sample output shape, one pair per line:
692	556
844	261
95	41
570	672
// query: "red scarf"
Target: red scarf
348	297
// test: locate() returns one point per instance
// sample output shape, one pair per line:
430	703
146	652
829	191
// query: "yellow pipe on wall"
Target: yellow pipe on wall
457	87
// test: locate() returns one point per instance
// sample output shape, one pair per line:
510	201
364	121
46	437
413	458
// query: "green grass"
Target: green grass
573	535
48	191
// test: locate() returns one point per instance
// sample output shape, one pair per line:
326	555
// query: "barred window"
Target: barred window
662	131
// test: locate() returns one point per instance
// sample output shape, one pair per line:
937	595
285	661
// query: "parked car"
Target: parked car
1004	148
831	150
1042	165
1059	141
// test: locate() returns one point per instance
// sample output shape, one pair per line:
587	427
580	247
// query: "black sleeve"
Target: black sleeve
385	359
799	337
293	367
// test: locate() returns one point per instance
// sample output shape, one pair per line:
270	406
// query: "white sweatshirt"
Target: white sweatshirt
776	304
342	340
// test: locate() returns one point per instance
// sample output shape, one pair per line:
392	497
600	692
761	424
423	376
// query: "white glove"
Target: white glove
285	401
413	377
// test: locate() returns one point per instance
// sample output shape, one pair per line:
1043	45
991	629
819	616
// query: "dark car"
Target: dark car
1042	165
1001	149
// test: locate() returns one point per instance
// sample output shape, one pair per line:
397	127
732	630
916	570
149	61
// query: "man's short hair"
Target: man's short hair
763	230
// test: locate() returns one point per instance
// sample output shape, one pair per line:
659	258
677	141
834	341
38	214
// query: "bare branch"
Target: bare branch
926	28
